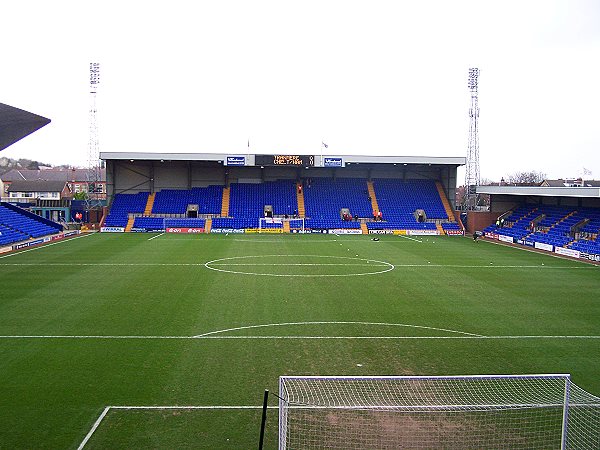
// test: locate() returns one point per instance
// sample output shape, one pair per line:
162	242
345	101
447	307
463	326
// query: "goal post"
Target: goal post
276	224
474	411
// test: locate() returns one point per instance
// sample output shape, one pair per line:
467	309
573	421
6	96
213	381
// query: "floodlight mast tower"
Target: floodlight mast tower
472	170
94	175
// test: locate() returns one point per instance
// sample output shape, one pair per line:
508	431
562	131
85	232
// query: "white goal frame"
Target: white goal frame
356	412
265	220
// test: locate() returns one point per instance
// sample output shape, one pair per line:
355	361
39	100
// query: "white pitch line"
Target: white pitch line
106	337
94	427
410	238
300	264
46	245
192	407
270	325
158	235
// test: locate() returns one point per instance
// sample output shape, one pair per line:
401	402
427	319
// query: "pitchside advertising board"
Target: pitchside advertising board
112	230
184	230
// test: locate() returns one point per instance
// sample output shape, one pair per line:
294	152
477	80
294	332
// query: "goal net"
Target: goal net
276	225
453	412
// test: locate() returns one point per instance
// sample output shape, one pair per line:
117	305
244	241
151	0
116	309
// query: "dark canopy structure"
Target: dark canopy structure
16	123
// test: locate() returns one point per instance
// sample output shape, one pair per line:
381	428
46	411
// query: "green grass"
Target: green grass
54	389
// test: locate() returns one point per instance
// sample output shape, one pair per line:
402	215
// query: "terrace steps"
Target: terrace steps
149	204
129	225
440	229
286	226
300	197
225	202
445	201
371	190
363	227
207	225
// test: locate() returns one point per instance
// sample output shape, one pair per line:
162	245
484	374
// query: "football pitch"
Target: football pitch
169	341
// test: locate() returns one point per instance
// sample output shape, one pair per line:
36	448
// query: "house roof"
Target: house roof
37	186
54	174
16	123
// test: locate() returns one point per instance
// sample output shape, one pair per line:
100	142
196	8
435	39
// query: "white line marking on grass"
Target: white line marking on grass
192	407
201	407
211	265
200	337
334	323
94	427
158	235
410	238
46	245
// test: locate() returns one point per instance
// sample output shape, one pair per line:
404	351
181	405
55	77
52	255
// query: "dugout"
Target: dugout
133	172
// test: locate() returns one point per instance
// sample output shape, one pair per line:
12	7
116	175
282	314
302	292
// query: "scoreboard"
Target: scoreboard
285	160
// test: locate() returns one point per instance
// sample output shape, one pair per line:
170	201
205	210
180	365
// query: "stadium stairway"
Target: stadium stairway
207	225
363	227
300	197
149	204
445	201
225	202
286	226
129	225
440	229
374	203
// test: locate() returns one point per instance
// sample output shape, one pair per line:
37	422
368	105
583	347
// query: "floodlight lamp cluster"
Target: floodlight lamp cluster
473	75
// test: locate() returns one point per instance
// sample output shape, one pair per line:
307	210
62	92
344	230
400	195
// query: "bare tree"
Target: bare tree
531	178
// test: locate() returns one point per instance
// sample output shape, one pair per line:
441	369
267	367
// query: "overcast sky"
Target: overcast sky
370	77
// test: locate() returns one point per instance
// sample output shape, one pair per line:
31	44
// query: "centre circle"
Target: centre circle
299	266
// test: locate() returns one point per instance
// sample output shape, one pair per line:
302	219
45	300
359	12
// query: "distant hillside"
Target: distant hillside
7	164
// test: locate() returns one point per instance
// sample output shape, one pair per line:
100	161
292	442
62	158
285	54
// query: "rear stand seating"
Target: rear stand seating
15	227
324	198
554	228
123	205
399	199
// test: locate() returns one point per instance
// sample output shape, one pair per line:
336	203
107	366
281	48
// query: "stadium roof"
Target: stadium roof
16	123
539	191
250	158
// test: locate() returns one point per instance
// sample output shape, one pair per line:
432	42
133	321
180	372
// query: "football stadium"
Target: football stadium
348	287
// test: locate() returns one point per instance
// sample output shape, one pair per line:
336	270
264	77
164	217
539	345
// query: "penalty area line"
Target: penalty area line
158	235
154	407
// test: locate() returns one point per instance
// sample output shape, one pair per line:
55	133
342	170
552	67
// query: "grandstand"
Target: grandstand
564	220
18	225
360	194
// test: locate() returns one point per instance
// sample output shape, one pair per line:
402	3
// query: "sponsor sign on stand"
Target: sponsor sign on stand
529	243
590	257
455	232
5	249
344	231
423	232
139	230
504	238
381	231
542	246
333	162
184	230
316	231
112	230
491	235
227	230
567	252
236	161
